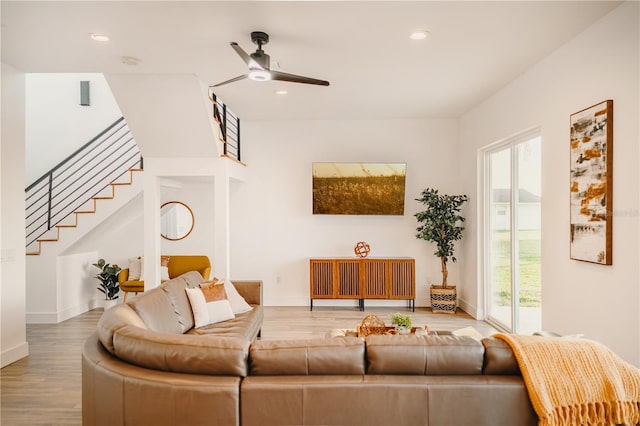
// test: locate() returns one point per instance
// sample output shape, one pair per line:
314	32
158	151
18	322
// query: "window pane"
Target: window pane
499	271
529	225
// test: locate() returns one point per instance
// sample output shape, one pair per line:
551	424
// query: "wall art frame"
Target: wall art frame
358	188
591	183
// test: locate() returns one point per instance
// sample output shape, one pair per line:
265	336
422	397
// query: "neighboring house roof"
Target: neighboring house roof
503	195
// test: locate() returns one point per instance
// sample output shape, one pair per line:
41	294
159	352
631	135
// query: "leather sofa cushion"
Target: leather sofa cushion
424	355
192	278
499	358
182	353
246	325
156	311
175	291
332	356
114	319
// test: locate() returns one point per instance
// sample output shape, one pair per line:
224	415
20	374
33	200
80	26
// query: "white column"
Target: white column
13	341
151	228
221	262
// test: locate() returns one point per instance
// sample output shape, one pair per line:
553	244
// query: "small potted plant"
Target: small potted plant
402	323
108	277
440	224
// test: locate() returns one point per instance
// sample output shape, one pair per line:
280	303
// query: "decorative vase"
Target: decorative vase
443	300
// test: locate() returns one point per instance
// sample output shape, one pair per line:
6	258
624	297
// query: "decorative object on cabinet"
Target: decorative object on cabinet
439	225
359	188
348	278
591	183
176	220
362	249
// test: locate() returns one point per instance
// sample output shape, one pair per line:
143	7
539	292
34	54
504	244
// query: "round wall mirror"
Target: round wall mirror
176	220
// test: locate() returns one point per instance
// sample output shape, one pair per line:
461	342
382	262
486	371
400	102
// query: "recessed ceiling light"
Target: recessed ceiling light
281	92
99	37
129	60
419	35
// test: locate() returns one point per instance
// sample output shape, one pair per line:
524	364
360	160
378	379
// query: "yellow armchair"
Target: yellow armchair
178	265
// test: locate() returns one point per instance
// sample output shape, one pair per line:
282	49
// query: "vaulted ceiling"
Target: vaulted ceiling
362	47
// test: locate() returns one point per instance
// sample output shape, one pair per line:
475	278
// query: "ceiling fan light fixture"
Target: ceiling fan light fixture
99	37
259	75
419	35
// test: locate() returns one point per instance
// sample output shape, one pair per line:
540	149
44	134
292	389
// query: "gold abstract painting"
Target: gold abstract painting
358	188
591	183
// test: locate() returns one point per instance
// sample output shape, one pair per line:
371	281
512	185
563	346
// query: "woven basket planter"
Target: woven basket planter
443	300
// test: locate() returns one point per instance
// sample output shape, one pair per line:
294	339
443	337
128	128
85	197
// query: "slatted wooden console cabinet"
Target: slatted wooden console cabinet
373	278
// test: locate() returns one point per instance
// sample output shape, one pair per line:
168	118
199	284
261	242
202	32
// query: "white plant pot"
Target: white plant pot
403	330
108	304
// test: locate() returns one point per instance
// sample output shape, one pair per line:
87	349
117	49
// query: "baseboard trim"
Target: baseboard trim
63	315
468	308
14	354
42	317
75	310
341	303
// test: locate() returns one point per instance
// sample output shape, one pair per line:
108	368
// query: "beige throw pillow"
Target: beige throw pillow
135	269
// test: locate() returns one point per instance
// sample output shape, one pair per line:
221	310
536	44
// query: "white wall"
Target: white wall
121	236
169	114
13	341
199	196
601	63
273	230
57	124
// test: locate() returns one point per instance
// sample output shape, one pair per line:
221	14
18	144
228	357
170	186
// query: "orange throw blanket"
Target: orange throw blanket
576	381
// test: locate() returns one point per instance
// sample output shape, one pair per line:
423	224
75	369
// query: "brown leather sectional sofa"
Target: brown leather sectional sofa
147	365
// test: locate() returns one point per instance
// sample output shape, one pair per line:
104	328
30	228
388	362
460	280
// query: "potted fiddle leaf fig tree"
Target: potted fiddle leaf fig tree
108	277
441	223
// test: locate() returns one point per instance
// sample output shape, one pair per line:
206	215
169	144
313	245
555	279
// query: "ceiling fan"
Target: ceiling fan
258	63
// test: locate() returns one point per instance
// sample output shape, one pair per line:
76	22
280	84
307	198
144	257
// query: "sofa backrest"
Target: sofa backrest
499	358
331	356
166	309
424	355
175	293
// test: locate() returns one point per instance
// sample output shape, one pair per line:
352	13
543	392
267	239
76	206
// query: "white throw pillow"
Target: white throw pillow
198	306
238	304
208	313
219	310
135	269
164	273
142	269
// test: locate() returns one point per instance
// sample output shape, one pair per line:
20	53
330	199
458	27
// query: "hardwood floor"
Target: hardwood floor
45	387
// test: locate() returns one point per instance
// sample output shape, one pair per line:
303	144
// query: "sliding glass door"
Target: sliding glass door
512	234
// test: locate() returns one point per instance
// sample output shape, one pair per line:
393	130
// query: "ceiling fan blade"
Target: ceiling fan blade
245	56
238	78
283	76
